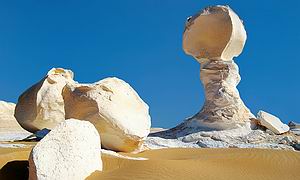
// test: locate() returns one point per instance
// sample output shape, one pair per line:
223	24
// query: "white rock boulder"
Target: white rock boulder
8	123
72	150
119	114
272	122
42	105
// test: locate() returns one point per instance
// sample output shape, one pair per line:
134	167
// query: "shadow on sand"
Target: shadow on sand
14	170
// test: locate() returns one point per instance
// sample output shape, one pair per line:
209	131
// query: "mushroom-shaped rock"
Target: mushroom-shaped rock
42	105
215	33
120	115
214	37
72	150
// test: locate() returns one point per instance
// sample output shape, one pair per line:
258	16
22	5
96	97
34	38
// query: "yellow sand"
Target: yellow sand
177	164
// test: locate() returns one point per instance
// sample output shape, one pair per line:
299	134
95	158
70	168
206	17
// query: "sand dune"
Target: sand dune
205	164
178	164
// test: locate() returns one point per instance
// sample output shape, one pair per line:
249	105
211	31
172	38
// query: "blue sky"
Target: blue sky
141	43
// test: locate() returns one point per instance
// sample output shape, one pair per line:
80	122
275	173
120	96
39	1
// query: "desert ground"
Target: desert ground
176	163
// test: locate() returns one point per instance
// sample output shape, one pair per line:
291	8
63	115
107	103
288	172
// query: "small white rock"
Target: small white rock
272	122
72	150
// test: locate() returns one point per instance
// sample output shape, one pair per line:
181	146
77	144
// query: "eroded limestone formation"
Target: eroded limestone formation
112	105
42	105
116	110
213	37
72	150
272	122
8	123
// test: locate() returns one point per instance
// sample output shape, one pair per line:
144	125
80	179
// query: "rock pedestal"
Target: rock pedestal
213	37
223	107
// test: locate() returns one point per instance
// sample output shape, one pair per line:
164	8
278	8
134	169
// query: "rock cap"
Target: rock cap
215	33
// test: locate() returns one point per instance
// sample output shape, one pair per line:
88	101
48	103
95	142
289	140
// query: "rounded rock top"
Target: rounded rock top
66	73
215	33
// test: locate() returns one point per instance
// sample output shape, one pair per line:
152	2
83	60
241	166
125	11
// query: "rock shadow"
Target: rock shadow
15	170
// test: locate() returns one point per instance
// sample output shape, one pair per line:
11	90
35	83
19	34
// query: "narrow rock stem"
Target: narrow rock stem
223	107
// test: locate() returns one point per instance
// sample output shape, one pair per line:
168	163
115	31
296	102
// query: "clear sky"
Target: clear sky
141	43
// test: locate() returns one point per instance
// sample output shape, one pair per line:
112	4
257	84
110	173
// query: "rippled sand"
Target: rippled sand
177	164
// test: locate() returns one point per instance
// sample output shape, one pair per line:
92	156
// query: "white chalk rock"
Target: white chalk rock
223	107
42	105
120	115
214	33
213	37
272	122
8	123
72	150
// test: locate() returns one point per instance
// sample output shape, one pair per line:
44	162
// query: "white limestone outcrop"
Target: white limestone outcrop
42	105
120	115
213	37
272	122
72	150
9	127
8	123
294	128
242	137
